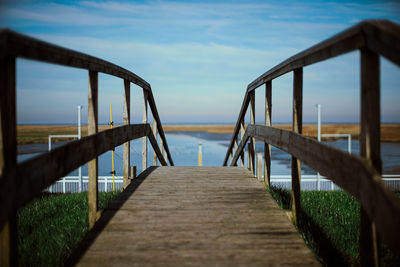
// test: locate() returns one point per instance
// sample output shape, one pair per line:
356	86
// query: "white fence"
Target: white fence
70	184
310	182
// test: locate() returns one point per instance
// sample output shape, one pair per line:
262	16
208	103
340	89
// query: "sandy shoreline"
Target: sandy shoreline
39	133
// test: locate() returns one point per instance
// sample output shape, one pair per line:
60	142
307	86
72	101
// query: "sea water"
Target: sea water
184	151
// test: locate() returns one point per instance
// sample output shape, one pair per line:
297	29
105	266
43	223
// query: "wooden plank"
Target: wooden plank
369	147
155	136
93	164
19	45
69	156
8	161
181	216
353	174
127	120
267	147
297	128
144	139
252	143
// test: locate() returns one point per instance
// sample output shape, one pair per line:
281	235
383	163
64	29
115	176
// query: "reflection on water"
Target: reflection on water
184	151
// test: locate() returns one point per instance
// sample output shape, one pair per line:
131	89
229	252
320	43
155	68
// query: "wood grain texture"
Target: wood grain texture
155	136
353	174
93	201
145	116
297	127
268	122
127	120
369	147
252	143
8	160
59	162
201	216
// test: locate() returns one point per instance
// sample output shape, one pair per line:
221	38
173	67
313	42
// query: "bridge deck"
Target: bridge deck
173	216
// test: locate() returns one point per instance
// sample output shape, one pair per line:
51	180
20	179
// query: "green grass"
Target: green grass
329	224
51	226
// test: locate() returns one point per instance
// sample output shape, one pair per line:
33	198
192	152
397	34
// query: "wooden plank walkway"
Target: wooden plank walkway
183	216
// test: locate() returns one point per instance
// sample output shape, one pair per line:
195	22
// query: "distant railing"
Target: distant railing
20	183
360	176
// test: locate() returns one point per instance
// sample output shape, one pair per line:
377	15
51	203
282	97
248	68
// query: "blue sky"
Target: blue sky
198	56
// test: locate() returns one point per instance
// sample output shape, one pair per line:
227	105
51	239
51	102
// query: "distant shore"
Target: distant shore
31	134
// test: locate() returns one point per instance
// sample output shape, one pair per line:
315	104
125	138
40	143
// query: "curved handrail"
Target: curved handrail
381	36
372	38
19	183
13	44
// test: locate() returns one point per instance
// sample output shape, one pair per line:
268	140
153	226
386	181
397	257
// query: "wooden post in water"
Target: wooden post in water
155	136
8	158
297	128
252	139
144	139
267	147
93	164
242	131
369	147
127	120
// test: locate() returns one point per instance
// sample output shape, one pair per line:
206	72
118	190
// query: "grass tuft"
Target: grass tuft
51	226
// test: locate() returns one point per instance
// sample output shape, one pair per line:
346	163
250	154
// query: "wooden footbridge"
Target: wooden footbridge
202	215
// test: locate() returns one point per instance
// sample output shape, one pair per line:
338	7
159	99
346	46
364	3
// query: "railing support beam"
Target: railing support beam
267	147
93	164
242	131
127	120
252	144
370	147
144	139
8	159
155	136
297	128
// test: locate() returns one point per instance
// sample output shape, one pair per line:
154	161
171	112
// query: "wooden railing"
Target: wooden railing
20	183
359	176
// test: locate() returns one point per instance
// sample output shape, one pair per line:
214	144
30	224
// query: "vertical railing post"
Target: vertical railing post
242	131
93	164
127	120
144	139
297	128
8	158
267	147
162	148
252	139
259	166
369	146
155	136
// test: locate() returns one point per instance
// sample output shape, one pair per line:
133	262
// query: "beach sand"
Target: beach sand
28	134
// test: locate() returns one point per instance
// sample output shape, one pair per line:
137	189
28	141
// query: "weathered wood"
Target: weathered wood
242	131
155	136
239	151
127	120
259	166
180	216
154	111
268	119
93	164
19	45
8	161
297	128
144	139
252	143
242	113
353	174
369	147
156	149
69	156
